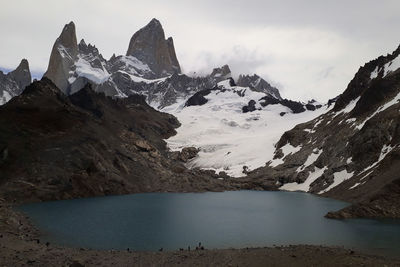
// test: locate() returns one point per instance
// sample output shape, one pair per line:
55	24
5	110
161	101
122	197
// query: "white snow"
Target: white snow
354	186
226	84
289	149
386	149
229	139
63	52
286	150
349	160
140	79
374	74
133	62
349	107
392	102
339	177
96	75
5	98
312	176
310	160
392	66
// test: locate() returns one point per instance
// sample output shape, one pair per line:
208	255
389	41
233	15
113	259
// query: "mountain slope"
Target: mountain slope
14	82
54	146
149	45
235	127
352	151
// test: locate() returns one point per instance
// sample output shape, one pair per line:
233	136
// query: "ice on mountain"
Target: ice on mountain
96	75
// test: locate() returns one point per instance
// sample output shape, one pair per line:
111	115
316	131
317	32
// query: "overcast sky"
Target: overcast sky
307	48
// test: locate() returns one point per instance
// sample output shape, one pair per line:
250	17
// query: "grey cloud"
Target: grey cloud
307	47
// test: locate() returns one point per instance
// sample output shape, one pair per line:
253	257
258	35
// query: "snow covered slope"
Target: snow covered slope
350	152
229	139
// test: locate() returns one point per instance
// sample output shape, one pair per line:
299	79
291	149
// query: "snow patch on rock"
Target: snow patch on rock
305	187
339	177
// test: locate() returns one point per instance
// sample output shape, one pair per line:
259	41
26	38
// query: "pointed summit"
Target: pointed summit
68	36
149	46
63	56
14	83
155	22
22	74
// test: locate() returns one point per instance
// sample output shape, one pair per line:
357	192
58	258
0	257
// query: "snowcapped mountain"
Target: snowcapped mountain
352	151
150	67
14	82
230	113
72	65
257	83
235	128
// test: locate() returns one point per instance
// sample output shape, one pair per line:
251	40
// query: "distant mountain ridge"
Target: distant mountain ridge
14	82
150	67
352	151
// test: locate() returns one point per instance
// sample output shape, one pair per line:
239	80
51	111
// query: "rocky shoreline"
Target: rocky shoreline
21	246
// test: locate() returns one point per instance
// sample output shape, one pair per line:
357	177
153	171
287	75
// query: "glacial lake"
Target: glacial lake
239	219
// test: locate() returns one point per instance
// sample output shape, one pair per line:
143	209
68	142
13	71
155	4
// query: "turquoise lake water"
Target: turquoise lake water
218	220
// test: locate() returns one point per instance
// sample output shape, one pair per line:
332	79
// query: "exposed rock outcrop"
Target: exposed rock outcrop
258	84
13	83
150	46
63	57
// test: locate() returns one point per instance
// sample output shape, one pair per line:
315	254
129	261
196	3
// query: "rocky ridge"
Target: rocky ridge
150	67
54	146
14	82
352	151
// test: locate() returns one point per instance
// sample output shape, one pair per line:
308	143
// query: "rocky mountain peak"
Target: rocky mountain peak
258	84
22	74
150	46
88	49
14	82
62	58
222	73
68	37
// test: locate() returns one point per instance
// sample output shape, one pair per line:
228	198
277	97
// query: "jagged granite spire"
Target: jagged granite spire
22	75
62	58
149	46
13	83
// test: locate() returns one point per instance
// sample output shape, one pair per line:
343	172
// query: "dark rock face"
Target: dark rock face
14	83
188	153
361	80
96	146
258	84
296	107
149	46
21	75
250	107
198	98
